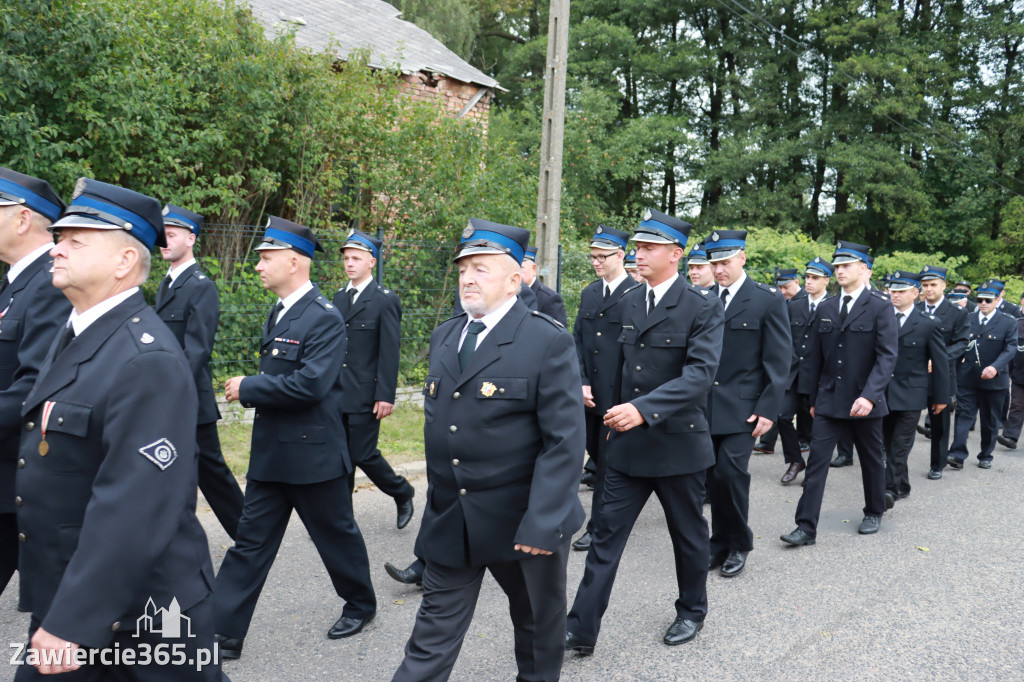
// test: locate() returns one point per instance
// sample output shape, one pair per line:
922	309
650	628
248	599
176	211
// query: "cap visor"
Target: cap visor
77	220
842	260
353	245
481	250
722	255
652	238
270	246
606	246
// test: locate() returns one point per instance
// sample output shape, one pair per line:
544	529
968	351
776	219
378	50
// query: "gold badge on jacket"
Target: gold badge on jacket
488	389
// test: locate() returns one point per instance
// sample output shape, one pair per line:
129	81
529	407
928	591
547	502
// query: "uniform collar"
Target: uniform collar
294	297
82	321
26	261
613	285
360	288
174	273
660	290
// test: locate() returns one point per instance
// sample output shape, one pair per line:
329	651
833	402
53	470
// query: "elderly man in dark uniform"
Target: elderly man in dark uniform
596	333
817	274
299	454
956	329
670	341
504	446
32	312
107	469
983	377
187	302
922	352
373	318
549	301
746	397
851	358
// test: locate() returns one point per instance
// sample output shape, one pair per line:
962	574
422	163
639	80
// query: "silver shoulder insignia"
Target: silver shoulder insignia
146	338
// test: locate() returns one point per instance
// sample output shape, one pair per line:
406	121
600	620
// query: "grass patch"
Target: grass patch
401	439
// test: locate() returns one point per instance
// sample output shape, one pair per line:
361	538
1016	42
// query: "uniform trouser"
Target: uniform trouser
827	431
729	487
970	402
791	435
8	548
535	587
1015	420
200	622
326	511
599	470
899	428
802	430
940	426
682	498
362	430
217	483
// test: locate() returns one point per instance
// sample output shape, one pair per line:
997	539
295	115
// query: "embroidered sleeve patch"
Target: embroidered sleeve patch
161	453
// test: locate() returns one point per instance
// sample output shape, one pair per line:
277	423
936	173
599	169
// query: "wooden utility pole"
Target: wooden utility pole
549	194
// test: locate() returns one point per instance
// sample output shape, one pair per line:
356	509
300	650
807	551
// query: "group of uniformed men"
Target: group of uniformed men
110	421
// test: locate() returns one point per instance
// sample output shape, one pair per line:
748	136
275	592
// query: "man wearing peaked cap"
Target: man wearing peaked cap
795	440
669	344
300	458
596	333
187	302
1002	305
32	312
918	375
549	301
983	377
788	282
956	329
699	267
746	397
629	263
104	458
484	227
504	438
851	356
373	320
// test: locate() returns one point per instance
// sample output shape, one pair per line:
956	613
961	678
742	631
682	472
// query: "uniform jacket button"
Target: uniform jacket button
344	364
17	500
636	390
60	420
501	390
599	333
21	463
455	462
453	428
655	415
21	537
116	626
641	345
638	368
456	395
716	383
462	492
29	426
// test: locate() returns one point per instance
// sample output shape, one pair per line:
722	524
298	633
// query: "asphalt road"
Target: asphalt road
937	594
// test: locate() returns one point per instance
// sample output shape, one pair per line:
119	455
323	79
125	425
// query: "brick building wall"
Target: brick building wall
454	94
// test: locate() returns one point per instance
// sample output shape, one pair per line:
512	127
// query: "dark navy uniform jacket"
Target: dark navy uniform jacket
549	302
107	516
994	346
757	352
1017	364
852	359
668	360
373	326
504	441
191	310
596	332
800	325
298	435
920	342
33	311
956	332
1011	309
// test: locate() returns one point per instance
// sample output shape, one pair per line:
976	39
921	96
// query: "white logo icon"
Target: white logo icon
170	621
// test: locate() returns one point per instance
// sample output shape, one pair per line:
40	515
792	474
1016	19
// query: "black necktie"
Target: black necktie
725	297
65	339
984	321
813	306
650	301
352	296
607	291
846	308
930	309
899	319
469	343
164	286
272	320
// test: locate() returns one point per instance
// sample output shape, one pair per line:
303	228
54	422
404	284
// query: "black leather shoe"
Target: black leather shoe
1007	442
792	472
716	561
407	576
578	644
762	449
805	447
935	474
346	627
583	543
230	649
589	478
798	538
870	525
682	631
924	431
733	565
405	510
954	463
840	461
985	463
890	500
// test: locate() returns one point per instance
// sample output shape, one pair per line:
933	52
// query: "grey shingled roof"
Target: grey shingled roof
372	24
